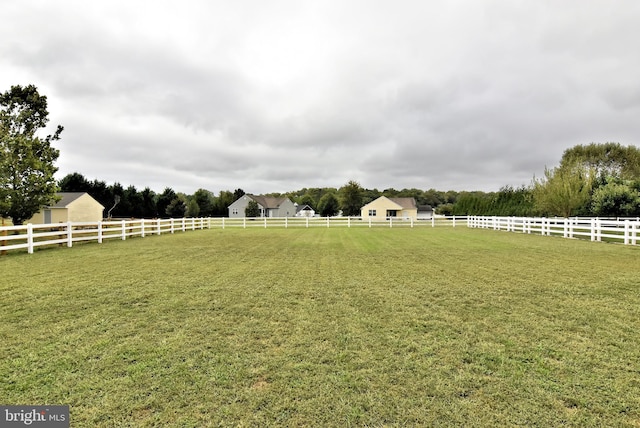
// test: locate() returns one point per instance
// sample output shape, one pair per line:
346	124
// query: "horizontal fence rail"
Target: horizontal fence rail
622	230
311	222
31	236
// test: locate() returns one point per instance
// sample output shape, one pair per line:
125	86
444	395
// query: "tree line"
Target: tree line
591	180
120	201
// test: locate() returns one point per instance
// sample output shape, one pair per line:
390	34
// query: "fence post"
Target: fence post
593	229
3	243
124	230
30	238
307	222
390	221
193	223
627	229
142	227
454	221
100	232
634	233
286	223
433	220
244	222
171	223
69	234
158	231
348	222
223	222
570	227
411	218
265	222
327	221
369	222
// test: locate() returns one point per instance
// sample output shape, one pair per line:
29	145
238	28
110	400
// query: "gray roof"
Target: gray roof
303	207
66	198
268	202
407	203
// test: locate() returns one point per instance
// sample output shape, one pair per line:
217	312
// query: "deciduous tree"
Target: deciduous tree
26	160
328	205
351	198
616	199
604	160
563	192
252	209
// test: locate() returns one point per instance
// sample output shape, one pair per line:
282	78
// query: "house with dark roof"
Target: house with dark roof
270	206
72	206
383	208
425	211
304	210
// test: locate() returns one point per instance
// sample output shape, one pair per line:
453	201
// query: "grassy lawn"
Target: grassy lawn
326	327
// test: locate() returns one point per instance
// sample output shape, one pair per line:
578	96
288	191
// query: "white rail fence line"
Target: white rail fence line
65	234
34	235
31	236
595	229
310	222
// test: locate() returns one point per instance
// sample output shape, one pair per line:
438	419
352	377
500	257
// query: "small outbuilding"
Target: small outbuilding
304	211
72	206
425	211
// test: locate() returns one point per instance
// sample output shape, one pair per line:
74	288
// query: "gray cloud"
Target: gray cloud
282	95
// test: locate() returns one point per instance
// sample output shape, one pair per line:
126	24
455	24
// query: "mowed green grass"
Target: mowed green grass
326	327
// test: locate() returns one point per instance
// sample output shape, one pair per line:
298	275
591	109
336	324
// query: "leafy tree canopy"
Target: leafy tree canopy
328	205
563	192
605	160
26	161
351	198
252	209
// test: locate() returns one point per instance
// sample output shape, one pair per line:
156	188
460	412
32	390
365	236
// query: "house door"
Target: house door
47	216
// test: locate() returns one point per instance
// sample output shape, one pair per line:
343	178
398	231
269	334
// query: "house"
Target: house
304	211
383	208
270	206
425	212
72	206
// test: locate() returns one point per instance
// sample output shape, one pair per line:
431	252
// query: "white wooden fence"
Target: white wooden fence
31	236
65	234
308	222
623	230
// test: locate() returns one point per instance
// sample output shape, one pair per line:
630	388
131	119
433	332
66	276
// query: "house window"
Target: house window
234	211
372	213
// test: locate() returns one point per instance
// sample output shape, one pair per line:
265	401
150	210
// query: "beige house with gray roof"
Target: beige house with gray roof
383	208
72	206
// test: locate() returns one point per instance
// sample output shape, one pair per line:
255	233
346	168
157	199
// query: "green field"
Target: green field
326	327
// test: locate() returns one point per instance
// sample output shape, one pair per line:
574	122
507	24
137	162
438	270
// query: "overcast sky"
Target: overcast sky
274	96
